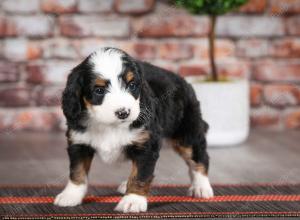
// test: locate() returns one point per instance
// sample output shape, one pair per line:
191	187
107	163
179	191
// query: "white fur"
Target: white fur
122	187
200	187
109	65
132	203
72	195
108	141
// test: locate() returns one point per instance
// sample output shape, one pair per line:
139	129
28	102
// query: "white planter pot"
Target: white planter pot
225	106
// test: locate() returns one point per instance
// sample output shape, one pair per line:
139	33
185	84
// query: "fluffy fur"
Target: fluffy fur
119	107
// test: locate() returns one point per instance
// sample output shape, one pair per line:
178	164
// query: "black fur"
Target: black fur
72	102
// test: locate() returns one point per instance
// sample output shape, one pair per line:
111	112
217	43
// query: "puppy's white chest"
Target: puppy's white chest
109	142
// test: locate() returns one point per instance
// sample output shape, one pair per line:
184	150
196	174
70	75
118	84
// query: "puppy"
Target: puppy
119	107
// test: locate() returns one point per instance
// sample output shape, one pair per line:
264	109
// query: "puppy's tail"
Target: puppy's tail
204	126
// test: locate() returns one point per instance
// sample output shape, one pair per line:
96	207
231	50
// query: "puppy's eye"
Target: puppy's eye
99	91
132	86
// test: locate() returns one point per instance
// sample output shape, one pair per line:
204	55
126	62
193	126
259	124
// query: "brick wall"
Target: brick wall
41	40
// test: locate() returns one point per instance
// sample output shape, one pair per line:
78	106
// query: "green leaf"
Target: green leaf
210	7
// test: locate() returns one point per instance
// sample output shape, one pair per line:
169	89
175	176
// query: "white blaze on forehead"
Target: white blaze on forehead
107	63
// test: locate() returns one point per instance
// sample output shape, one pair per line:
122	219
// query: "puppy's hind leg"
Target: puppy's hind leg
198	169
190	143
200	185
122	187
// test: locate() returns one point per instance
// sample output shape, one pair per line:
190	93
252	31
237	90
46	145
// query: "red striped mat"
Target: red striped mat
168	201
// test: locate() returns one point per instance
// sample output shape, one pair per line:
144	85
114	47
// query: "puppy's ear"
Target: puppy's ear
71	98
134	64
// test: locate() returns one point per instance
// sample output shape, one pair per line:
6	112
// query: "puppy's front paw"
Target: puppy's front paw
201	187
201	191
122	188
72	195
132	203
67	199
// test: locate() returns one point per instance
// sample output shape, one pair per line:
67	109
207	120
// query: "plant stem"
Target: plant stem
214	71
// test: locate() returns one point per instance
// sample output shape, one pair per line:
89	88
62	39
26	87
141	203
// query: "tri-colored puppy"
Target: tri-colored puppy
119	107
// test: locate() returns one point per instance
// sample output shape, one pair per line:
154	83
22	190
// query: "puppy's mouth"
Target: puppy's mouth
122	122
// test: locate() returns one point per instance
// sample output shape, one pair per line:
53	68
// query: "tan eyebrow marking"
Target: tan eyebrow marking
100	82
129	76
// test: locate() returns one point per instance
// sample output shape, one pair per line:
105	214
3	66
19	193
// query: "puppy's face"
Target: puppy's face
111	88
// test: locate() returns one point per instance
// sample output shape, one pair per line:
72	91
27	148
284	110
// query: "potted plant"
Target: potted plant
224	101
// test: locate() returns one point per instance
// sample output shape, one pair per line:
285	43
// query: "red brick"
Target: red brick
60	48
15	97
83	26
193	69
281	95
32	119
168	26
265	117
285	48
281	7
3	127
277	71
252	48
35	73
231	68
175	51
254	6
1	50
134	6
84	47
52	72
250	26
3	26
9	72
21	6
165	65
234	68
223	49
21	50
144	50
95	6
50	96
293	25
33	51
292	119
31	26
256	94
59	6
10	122
7	27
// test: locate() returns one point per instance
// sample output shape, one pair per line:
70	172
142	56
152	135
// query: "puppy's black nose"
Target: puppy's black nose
122	113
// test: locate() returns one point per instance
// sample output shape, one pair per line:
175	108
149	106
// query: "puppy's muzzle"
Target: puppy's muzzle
122	113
